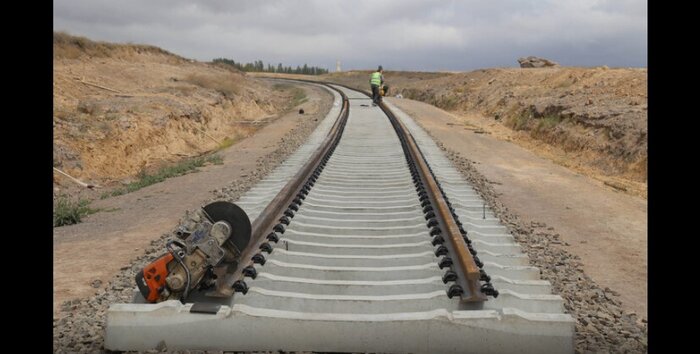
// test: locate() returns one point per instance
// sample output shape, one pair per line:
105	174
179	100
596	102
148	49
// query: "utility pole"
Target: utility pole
337	66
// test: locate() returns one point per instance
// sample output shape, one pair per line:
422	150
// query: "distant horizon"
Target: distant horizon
332	70
407	35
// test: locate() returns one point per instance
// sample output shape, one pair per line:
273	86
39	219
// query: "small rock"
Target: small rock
605	316
161	346
96	283
535	62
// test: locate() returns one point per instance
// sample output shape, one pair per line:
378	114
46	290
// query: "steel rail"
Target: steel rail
270	216
468	273
466	269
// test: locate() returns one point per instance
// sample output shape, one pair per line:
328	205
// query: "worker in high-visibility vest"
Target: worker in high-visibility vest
376	80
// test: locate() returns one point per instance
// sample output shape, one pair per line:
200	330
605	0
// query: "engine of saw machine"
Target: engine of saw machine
214	235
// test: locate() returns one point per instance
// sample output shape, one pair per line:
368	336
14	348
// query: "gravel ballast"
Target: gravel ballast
601	323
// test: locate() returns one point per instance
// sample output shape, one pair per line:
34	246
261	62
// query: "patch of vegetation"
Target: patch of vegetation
216	160
226	85
72	47
298	94
418	95
224	144
447	102
181	168
564	84
525	120
548	122
104	127
258	66
519	121
68	212
281	87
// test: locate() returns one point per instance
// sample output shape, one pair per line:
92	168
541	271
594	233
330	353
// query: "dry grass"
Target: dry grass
226	67
67	46
178	169
228	85
163	109
226	143
298	95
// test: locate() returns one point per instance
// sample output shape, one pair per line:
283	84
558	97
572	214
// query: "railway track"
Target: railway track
365	240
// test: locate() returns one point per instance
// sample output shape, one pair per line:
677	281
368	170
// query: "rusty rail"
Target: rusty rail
468	273
466	269
269	218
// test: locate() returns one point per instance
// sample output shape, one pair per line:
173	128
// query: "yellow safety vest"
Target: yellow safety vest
376	78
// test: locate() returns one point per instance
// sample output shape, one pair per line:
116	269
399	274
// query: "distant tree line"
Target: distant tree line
258	66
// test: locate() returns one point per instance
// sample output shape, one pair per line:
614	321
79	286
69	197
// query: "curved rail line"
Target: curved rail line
286	201
444	223
363	250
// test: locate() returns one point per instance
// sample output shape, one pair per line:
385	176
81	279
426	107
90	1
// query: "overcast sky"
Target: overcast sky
398	34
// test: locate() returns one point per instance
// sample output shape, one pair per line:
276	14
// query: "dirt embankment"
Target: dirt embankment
120	109
596	118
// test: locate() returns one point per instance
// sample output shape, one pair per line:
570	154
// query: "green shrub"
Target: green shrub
145	179
519	121
68	212
548	122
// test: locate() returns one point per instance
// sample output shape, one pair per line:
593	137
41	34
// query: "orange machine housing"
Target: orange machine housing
151	280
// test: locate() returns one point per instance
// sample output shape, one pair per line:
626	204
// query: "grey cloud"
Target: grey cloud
401	34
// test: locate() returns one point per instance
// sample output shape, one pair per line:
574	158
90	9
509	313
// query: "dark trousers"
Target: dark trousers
376	98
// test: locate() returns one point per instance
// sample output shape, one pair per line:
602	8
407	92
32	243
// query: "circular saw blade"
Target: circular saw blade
235	216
